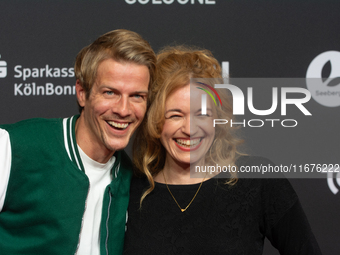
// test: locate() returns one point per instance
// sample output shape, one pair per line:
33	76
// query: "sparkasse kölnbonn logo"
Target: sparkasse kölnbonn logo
3	68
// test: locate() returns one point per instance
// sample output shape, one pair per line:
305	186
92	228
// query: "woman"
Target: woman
171	213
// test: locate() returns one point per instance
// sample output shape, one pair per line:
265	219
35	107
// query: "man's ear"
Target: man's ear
81	95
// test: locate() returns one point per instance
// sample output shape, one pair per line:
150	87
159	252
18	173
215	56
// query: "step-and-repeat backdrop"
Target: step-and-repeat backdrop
289	43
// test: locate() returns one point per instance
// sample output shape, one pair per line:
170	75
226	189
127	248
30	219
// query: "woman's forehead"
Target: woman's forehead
188	97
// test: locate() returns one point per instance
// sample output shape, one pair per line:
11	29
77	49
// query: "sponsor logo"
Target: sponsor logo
43	72
170	1
323	78
48	89
3	68
28	88
29	85
333	181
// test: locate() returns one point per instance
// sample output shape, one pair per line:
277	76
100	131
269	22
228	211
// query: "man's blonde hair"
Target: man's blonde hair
120	45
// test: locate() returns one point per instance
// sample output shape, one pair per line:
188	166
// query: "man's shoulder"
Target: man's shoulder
32	124
35	130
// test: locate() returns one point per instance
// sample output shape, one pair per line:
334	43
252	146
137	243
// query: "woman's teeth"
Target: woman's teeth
188	143
118	125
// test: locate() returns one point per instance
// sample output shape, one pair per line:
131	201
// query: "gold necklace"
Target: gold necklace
182	210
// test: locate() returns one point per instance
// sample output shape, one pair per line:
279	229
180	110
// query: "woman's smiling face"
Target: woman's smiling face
187	134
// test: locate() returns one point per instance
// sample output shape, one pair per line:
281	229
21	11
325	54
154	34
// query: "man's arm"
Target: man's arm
5	164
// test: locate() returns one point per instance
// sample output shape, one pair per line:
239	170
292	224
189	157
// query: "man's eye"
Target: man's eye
139	98
109	93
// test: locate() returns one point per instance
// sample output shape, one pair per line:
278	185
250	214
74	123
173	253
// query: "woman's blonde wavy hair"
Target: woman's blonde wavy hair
174	69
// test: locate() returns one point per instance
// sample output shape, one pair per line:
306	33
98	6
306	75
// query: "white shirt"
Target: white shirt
5	161
99	176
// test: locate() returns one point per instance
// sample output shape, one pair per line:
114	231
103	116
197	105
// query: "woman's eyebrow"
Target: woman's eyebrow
173	110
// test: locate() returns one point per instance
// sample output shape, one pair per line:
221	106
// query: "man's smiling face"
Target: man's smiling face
115	108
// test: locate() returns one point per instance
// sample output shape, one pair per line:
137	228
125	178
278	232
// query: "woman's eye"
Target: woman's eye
175	116
204	115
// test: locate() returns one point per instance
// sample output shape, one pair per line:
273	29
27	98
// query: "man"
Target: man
64	183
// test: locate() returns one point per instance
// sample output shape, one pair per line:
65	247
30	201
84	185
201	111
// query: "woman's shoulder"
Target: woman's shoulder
139	181
275	188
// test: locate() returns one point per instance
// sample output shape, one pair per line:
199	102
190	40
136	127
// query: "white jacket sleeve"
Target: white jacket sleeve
5	164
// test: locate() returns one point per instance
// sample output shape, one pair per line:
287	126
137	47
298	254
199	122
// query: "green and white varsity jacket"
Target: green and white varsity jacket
47	189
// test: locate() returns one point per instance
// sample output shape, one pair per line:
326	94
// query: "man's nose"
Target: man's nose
122	107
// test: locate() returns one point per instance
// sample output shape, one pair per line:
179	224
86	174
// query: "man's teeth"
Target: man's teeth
118	125
188	143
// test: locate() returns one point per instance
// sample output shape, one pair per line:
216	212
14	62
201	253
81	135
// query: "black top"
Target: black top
222	219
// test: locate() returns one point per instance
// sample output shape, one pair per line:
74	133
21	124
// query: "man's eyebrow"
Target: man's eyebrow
134	92
141	92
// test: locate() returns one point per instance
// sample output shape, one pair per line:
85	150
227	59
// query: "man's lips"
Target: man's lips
118	125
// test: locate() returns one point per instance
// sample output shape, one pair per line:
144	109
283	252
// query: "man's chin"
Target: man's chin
116	142
118	146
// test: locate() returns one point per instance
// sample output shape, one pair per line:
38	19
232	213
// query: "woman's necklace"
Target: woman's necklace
183	210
